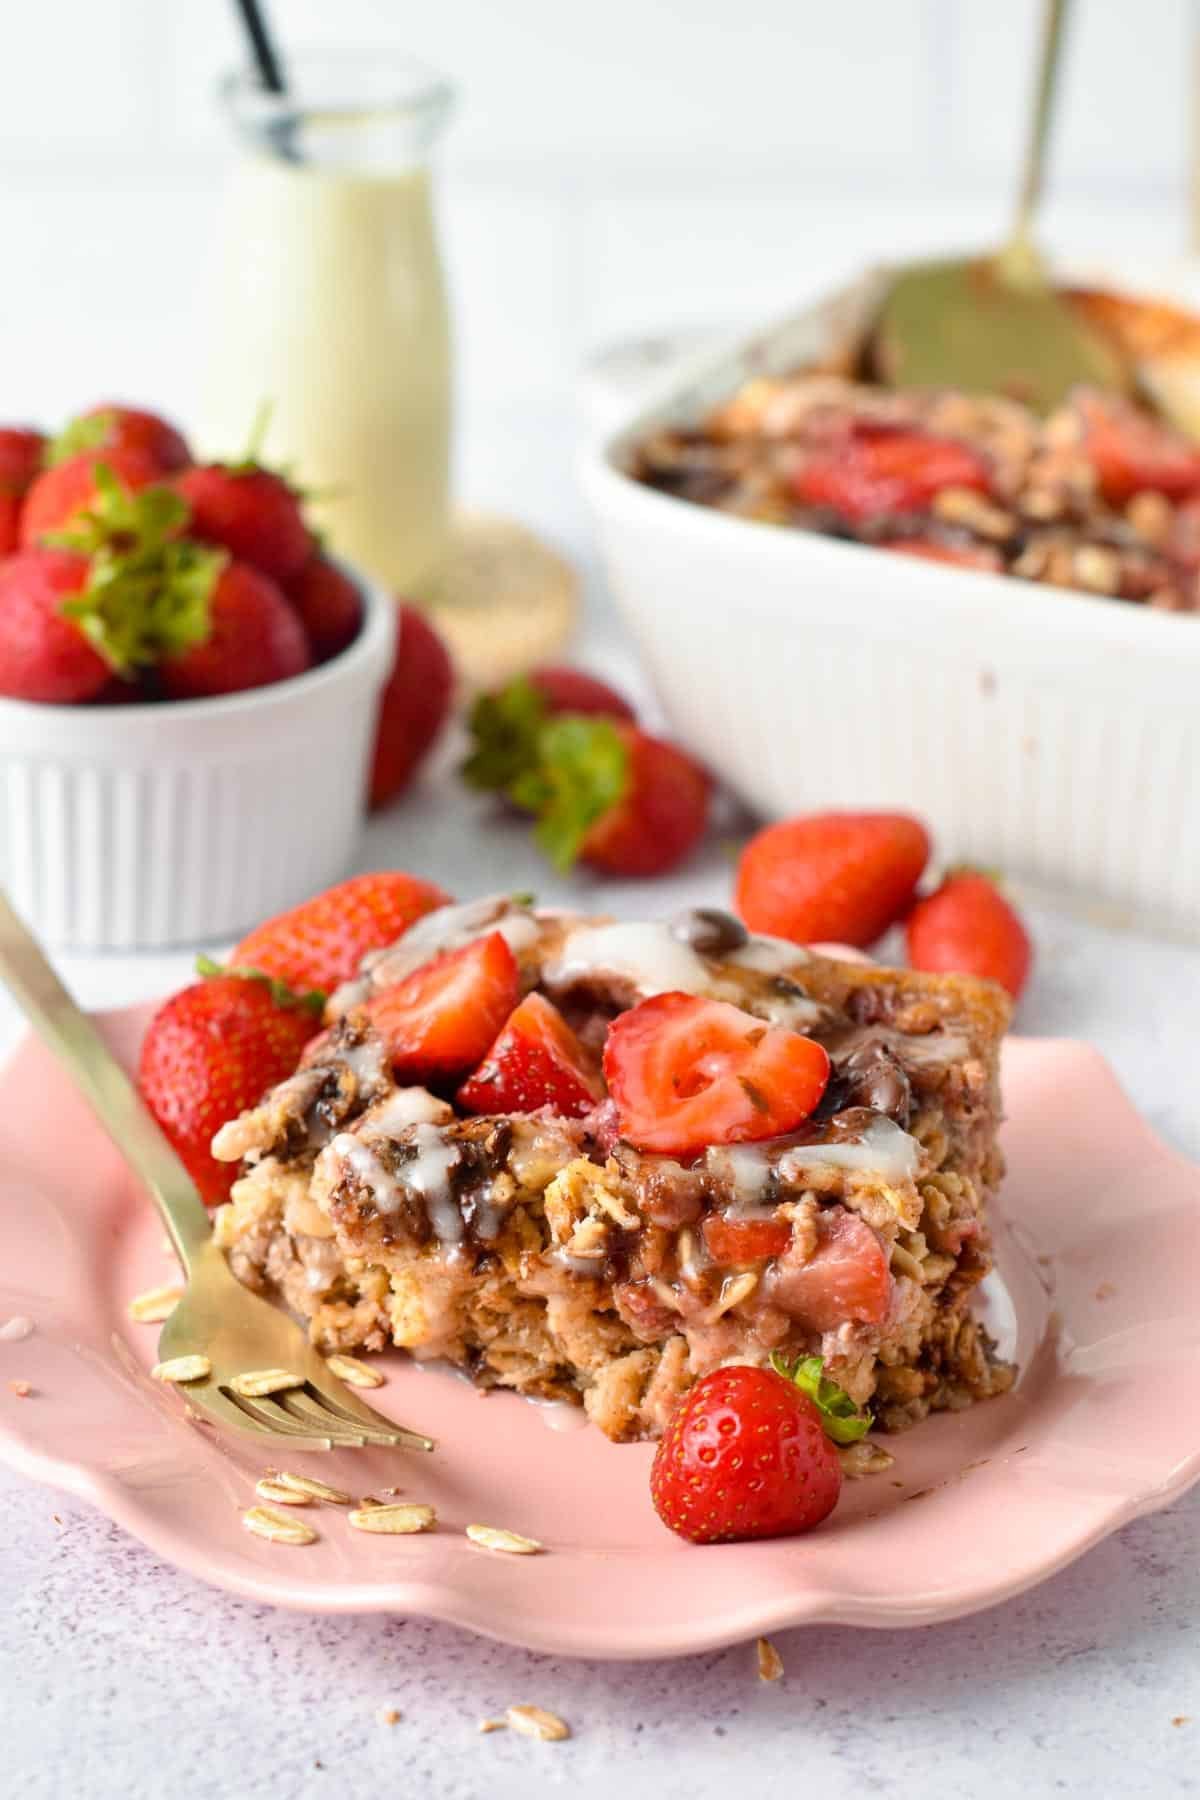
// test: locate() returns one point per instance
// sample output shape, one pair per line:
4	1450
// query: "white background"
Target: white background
614	166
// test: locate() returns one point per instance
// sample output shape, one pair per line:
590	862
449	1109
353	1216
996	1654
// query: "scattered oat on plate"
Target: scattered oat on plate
491	1537
770	1663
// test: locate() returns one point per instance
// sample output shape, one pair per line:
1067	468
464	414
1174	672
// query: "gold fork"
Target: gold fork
238	1336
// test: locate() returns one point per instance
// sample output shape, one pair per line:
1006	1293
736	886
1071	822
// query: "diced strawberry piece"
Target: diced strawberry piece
845	1280
879	470
443	1018
687	1072
962	556
1132	453
536	1061
732	1243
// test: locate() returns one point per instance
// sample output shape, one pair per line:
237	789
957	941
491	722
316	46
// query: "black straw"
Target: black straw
269	69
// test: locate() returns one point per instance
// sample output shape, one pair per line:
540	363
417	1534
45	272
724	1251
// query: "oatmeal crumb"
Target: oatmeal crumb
394	1521
276	1528
486	1725
387	1715
1105	1291
255	1383
353	1372
155	1305
279	1494
311	1487
21	1389
536	1722
182	1368
770	1663
1182	1719
14	1330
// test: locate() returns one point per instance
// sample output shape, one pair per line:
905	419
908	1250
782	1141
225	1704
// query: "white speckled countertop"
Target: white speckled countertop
121	1677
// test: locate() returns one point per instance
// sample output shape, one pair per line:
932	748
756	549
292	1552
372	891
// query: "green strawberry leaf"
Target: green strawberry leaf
312	1001
841	1418
581	773
149	590
77	435
504	728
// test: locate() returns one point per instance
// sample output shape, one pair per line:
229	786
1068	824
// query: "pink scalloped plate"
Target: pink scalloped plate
1098	1273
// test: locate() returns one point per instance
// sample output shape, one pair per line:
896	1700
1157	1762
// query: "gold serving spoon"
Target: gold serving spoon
995	324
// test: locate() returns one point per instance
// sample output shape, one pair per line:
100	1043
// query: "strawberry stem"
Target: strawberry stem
842	1420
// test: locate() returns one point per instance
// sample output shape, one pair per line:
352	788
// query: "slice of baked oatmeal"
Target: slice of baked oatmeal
552	1255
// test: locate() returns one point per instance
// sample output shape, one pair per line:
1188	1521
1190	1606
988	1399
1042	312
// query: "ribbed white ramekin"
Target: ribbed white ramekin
1044	732
138	827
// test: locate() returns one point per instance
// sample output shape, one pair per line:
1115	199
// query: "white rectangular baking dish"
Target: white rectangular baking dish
1044	732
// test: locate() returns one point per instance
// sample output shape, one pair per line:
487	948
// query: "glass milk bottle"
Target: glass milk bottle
330	307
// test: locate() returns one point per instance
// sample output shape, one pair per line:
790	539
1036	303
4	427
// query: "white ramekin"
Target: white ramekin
138	827
1041	731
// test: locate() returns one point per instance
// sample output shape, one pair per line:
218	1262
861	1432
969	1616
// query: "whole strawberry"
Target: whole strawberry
209	1053
606	793
967	927
249	511
321	942
506	724
61	494
109	427
253	638
836	877
21	452
413	707
329	605
744	1455
44	655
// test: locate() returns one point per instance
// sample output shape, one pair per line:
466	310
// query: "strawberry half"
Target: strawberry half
209	1053
881	470
321	942
744	1455
687	1072
441	1020
831	877
536	1061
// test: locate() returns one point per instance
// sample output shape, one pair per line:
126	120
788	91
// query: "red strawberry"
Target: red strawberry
744	1455
574	691
881	470
43	653
846	1278
103	429
967	927
608	793
963	556
21	452
506	725
831	877
210	1052
441	1019
329	605
687	1072
250	512
254	638
733	1243
321	942
414	705
536	1061
1131	452
61	494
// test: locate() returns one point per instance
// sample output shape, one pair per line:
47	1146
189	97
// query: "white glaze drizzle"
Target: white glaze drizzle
403	1107
428	1174
362	1162
883	1149
648	956
769	955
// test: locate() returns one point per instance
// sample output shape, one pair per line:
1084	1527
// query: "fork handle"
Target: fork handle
77	1044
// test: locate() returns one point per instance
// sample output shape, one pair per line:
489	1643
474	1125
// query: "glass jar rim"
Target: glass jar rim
337	85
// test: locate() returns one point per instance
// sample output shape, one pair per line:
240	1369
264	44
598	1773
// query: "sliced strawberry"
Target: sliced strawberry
687	1072
732	1243
963	556
880	470
443	1018
1132	453
845	1279
536	1061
